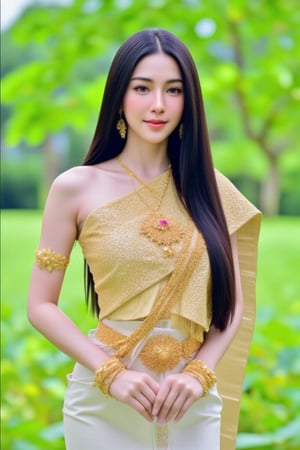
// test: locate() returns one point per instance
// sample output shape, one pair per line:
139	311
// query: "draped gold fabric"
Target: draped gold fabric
130	272
244	220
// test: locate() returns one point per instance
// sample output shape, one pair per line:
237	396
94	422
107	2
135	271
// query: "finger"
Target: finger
149	394
193	395
183	409
153	385
137	405
160	399
167	410
181	389
175	408
144	401
168	403
136	390
145	391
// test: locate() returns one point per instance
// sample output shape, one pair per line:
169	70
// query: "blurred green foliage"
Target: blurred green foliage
54	65
248	60
20	183
33	371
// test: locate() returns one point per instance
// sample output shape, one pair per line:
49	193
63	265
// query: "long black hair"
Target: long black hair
190	158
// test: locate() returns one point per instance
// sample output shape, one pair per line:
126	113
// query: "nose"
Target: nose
158	104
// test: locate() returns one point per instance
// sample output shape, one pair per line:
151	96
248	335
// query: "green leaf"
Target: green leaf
53	431
252	440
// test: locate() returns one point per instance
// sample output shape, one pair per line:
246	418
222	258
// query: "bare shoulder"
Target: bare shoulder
80	190
73	180
69	189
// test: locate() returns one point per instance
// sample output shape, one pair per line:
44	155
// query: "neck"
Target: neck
148	163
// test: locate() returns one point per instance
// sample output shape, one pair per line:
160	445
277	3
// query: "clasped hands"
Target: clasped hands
165	402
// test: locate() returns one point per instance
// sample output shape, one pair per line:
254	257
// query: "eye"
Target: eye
175	90
141	89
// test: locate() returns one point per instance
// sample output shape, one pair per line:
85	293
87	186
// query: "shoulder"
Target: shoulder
68	189
74	177
73	180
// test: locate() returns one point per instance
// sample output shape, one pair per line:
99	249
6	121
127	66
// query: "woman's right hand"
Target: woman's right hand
136	389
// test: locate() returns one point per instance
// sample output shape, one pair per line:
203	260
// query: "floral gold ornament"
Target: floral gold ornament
121	126
161	229
49	260
163	352
160	353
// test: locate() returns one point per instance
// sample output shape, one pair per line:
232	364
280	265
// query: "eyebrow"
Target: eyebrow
174	80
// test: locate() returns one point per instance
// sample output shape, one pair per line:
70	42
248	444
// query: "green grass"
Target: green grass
278	282
33	371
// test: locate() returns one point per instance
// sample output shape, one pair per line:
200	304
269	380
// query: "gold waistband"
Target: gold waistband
160	353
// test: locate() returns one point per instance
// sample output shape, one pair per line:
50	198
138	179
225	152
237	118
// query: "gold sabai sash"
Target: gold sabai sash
129	289
130	272
244	220
171	293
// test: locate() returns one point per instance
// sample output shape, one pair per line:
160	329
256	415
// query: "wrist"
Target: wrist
199	370
106	374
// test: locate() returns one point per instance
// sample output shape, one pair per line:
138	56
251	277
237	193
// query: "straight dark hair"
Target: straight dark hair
190	158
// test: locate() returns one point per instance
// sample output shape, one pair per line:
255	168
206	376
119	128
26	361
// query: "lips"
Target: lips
155	123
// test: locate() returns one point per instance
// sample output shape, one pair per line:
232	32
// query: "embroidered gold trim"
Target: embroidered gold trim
160	353
49	260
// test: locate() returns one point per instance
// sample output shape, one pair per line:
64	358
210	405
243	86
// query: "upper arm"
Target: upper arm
59	231
59	226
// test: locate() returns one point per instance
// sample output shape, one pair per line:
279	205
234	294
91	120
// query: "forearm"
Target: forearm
216	343
50	321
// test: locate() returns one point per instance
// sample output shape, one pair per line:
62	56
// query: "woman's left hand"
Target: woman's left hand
176	394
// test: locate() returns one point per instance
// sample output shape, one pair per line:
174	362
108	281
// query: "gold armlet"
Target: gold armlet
48	260
106	374
202	373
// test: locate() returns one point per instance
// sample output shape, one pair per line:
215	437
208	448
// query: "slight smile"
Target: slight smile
155	123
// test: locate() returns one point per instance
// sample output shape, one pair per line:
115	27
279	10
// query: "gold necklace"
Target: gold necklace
159	228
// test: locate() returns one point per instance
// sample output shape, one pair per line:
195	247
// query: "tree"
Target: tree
247	56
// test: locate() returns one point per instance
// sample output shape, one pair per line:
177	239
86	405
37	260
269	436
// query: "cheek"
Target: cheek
131	105
178	107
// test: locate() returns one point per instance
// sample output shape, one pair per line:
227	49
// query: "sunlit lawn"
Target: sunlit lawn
28	357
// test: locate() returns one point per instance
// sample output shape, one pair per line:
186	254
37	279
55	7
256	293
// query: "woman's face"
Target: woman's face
154	100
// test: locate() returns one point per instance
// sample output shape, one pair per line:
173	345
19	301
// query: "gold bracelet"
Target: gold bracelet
202	373
49	260
106	374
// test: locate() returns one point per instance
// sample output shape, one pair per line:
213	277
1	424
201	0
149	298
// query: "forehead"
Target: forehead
157	65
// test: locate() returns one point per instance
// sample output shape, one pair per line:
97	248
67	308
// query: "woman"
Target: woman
170	250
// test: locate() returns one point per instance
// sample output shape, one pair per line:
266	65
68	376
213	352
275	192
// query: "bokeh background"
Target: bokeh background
55	57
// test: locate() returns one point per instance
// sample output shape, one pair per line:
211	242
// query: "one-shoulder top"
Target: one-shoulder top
130	272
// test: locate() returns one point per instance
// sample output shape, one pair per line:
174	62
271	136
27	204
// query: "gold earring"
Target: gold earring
180	130
121	126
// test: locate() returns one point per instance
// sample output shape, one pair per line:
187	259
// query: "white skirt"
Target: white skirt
95	422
